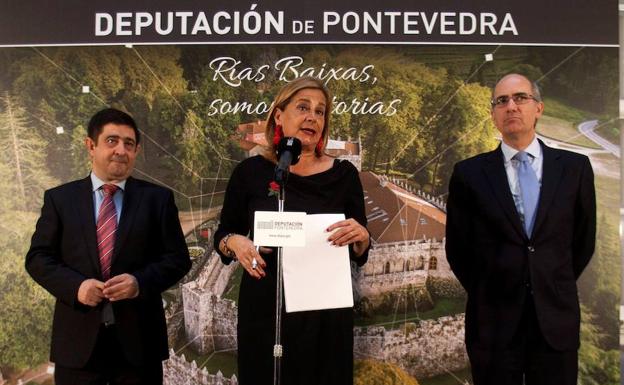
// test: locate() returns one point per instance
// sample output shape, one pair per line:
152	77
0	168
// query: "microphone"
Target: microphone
288	153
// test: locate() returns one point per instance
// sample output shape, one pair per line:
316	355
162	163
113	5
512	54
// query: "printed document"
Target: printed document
317	276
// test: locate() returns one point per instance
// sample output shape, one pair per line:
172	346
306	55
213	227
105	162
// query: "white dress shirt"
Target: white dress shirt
98	195
534	150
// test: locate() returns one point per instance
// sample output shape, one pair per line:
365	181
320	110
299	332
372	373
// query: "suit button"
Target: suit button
531	249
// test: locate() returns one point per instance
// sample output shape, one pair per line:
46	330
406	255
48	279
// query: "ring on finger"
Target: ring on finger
254	263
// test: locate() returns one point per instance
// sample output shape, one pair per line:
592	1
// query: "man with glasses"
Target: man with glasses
521	223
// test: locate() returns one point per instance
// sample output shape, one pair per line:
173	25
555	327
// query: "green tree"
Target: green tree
24	151
80	162
596	366
25	308
600	284
194	151
573	83
461	129
50	80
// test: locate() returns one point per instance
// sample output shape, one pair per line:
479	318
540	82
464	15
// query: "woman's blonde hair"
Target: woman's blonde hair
283	98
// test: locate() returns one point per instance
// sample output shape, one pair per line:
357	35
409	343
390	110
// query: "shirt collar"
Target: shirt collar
97	183
534	149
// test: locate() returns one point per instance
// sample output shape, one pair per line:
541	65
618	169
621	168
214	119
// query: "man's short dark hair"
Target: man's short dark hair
110	115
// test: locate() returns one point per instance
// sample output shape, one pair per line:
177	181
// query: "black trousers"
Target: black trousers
528	360
108	366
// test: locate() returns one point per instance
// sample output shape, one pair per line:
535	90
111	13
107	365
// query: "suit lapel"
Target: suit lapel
131	200
494	169
86	213
551	175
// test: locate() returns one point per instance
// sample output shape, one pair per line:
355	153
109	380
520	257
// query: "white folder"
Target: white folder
317	276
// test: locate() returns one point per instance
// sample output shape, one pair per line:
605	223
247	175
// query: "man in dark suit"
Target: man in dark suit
106	247
521	223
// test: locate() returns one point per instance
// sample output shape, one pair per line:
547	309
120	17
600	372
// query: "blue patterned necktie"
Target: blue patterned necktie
529	189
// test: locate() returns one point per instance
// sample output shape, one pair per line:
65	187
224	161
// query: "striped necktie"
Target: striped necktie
106	229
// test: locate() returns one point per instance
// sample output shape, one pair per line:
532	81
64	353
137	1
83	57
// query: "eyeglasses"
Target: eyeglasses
518	99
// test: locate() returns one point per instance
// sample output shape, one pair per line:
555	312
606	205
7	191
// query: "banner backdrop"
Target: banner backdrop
365	22
402	114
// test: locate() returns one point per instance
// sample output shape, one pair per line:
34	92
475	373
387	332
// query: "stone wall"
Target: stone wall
215	275
423	349
225	319
373	286
178	371
395	266
445	286
198	317
209	320
399	257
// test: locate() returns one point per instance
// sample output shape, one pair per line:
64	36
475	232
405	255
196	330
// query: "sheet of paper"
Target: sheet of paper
317	276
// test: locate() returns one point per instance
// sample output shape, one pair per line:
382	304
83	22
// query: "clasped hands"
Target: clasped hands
343	233
92	291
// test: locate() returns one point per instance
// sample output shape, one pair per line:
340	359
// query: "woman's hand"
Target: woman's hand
246	253
349	232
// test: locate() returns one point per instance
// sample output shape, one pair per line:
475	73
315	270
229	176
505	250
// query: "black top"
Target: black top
318	345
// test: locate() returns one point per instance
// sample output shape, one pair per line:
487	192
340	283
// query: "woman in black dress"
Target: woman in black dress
318	345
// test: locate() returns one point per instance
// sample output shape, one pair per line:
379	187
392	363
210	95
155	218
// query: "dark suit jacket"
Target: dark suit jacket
149	245
499	266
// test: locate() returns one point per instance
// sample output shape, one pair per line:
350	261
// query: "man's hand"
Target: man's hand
123	286
90	292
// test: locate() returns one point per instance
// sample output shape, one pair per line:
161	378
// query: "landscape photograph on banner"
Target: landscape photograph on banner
403	115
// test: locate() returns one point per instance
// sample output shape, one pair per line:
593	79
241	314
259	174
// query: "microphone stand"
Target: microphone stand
277	348
288	152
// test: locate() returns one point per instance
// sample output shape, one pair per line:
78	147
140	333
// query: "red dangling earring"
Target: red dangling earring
319	147
277	135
